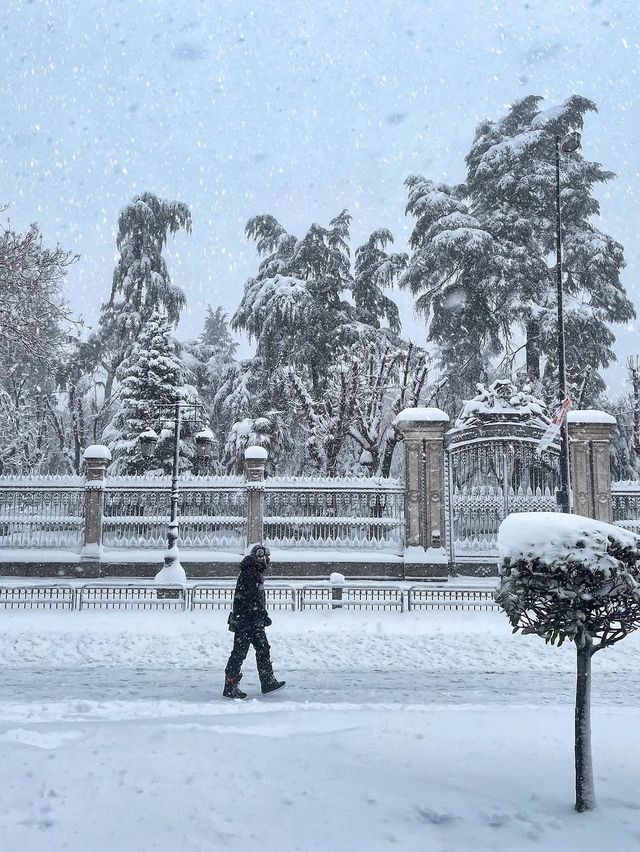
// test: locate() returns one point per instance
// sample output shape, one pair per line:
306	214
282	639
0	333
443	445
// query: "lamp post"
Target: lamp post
564	145
179	412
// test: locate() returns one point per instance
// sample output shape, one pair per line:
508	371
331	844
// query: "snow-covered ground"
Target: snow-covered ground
416	731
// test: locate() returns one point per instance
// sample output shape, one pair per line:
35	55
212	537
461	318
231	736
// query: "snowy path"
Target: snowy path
308	686
410	732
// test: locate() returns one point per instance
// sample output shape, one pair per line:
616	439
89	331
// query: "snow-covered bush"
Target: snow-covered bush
564	577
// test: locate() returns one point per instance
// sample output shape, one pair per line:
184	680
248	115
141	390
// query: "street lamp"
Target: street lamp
564	145
176	413
205	439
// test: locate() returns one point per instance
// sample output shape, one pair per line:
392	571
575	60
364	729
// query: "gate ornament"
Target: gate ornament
493	469
501	401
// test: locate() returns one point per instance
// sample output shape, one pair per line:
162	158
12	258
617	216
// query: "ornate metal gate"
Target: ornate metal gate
494	469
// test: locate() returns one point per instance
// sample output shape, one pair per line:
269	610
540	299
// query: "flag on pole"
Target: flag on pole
553	429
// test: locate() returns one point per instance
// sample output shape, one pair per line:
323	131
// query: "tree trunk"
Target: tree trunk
585	799
533	350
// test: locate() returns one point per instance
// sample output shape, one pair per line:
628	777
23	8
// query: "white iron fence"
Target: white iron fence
625	497
213	513
334	513
45	514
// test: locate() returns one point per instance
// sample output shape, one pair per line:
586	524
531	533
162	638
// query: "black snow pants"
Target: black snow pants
241	641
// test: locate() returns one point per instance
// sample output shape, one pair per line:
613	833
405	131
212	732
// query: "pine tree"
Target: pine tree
458	285
141	281
151	380
483	261
294	308
374	270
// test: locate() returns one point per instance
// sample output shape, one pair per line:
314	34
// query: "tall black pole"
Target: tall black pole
564	499
172	556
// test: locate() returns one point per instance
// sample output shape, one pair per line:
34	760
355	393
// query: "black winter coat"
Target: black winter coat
249	606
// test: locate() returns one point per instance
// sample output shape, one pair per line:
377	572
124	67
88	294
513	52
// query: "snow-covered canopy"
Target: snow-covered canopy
556	538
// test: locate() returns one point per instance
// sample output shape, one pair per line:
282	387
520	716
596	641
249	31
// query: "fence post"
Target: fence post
590	437
422	431
96	458
255	459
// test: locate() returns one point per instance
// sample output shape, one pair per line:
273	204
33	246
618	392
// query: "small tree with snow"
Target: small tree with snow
568	578
152	379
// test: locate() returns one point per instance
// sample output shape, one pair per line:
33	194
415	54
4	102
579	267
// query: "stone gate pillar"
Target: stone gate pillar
589	437
96	458
422	431
255	459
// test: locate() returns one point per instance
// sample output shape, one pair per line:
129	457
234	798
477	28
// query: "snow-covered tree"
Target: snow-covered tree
35	327
374	270
294	307
34	318
141	281
151	380
210	355
567	578
483	263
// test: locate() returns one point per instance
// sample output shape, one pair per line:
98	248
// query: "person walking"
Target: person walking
247	621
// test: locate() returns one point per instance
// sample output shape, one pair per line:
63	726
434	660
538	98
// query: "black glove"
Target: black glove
267	621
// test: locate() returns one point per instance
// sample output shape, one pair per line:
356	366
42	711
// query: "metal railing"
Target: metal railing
625	497
212	516
377	597
221	597
337	514
37	597
419	597
49	516
104	596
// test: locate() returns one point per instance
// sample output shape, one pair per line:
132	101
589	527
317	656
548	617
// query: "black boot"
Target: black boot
231	688
270	684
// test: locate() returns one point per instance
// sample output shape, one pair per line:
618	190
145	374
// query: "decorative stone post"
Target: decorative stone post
423	431
590	436
255	459
96	458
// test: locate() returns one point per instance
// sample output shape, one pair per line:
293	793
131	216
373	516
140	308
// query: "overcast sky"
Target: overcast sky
294	108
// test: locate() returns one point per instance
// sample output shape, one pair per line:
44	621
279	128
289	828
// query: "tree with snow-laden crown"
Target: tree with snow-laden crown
482	266
569	578
339	359
141	280
151	380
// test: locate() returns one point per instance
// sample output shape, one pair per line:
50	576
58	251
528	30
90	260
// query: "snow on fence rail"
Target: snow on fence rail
219	596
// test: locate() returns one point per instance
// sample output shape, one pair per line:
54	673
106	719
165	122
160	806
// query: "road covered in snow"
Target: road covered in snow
430	730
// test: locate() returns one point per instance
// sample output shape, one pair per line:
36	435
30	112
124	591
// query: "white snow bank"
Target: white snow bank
433	641
553	537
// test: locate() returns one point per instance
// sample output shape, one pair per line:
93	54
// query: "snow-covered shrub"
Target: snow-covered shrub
564	577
